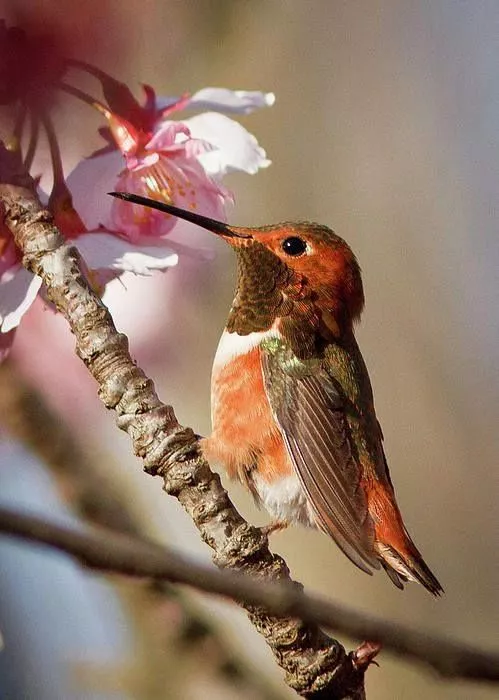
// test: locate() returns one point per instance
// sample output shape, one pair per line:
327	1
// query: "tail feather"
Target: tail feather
408	566
424	575
394	546
396	578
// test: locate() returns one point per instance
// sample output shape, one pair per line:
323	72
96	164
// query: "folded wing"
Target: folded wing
310	411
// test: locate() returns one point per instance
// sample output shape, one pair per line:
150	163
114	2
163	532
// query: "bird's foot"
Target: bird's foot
274	526
365	654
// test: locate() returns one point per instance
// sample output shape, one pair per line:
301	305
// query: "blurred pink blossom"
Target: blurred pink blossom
18	289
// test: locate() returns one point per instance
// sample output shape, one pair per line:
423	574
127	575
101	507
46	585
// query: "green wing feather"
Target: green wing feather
309	408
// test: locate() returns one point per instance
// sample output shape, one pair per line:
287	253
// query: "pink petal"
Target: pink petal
105	251
6	340
236	149
230	101
10	257
89	183
168	134
18	290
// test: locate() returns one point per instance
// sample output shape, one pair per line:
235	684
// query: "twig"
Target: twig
315	665
114	552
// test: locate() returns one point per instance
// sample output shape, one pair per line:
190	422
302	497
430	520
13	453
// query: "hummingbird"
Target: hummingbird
292	404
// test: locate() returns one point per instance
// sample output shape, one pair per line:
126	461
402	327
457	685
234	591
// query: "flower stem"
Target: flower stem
55	151
19	125
89	68
33	141
83	96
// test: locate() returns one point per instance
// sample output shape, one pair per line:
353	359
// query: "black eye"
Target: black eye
294	246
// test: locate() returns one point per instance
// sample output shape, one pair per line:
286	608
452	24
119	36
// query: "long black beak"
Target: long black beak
212	225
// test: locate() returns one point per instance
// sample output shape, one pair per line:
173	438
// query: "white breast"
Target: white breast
232	345
284	499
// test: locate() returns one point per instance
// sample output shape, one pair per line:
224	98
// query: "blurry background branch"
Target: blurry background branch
118	553
316	666
90	491
27	418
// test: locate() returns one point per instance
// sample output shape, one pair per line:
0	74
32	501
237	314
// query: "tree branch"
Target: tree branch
113	552
315	665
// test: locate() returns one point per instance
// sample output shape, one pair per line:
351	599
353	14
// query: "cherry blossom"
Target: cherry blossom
147	152
181	162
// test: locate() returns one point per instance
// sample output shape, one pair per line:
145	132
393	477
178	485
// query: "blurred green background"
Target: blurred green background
386	128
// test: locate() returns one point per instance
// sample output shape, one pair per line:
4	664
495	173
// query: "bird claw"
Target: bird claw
272	527
365	654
